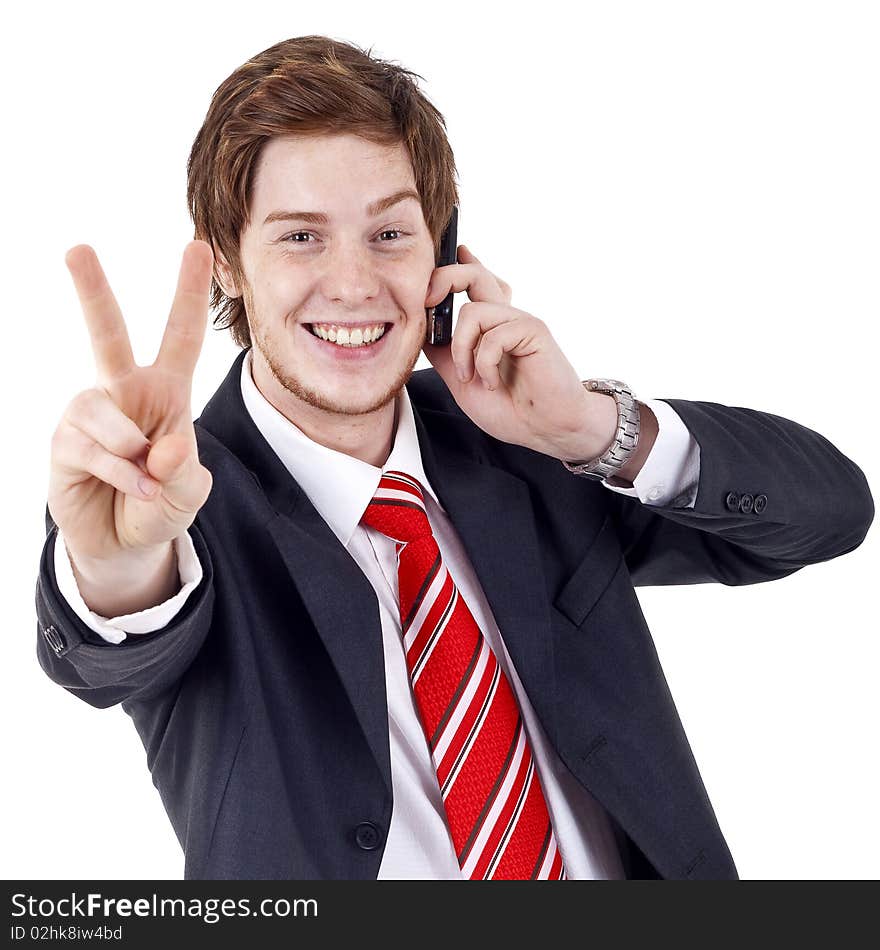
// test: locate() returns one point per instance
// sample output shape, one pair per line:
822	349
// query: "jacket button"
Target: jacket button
732	501
367	836
54	639
746	502
760	503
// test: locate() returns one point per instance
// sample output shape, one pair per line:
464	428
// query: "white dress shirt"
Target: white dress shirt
340	487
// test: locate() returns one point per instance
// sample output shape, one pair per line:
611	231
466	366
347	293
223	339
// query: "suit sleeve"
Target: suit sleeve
104	674
773	496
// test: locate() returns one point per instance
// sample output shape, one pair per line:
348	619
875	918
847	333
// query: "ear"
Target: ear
223	275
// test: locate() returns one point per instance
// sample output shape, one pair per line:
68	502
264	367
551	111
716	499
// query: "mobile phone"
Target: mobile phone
439	329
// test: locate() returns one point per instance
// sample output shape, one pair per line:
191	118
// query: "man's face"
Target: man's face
359	269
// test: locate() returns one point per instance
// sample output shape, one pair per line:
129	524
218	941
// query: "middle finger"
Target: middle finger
480	284
475	319
185	330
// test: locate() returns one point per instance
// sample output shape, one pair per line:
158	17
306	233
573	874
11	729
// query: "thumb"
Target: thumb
173	462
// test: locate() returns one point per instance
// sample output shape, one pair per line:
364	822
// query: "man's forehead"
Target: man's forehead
318	174
317	151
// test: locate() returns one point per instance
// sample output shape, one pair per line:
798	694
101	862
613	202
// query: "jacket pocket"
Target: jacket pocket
580	593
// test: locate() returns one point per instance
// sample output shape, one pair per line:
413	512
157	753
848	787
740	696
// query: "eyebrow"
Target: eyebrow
318	217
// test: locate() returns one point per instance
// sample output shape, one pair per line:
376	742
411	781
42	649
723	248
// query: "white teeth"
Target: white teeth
341	336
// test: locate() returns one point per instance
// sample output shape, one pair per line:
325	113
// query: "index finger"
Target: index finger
107	330
481	284
185	330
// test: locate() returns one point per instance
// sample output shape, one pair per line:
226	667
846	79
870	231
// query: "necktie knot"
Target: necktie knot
397	508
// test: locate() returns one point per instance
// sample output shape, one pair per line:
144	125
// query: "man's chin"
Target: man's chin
347	405
348	401
355	397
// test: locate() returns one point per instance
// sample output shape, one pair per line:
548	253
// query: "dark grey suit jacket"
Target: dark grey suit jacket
262	705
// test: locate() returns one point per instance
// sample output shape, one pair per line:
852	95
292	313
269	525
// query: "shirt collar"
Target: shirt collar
338	485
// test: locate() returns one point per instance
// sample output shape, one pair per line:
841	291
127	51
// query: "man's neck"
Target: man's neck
369	438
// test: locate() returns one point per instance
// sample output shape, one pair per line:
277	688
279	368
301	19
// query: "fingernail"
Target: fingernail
462	373
148	486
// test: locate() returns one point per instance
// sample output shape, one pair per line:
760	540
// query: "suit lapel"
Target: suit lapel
345	612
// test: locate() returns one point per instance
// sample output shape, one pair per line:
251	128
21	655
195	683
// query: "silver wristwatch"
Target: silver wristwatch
627	436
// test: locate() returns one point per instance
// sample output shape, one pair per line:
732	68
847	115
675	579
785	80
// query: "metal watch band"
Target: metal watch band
627	436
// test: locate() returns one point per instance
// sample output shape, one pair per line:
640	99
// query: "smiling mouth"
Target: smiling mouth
349	336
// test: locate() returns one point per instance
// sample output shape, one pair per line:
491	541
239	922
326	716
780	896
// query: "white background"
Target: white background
687	193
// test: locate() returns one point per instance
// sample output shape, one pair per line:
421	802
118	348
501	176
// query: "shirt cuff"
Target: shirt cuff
670	475
114	629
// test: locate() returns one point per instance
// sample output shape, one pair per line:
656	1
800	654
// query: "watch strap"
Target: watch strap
626	437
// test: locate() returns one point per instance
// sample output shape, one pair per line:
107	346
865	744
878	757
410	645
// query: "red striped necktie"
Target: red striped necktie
495	806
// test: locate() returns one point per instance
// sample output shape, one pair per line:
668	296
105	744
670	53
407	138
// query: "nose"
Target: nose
350	276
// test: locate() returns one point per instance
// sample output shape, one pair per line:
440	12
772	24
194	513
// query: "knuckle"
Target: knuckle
84	398
58	437
68	449
83	404
62	454
74	407
209	484
490	336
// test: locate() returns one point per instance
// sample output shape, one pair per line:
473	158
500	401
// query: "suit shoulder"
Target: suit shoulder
428	391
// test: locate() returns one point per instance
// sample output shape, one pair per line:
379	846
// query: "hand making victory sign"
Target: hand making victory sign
135	422
517	384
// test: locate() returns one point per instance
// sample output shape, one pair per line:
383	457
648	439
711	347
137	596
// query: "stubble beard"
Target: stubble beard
313	397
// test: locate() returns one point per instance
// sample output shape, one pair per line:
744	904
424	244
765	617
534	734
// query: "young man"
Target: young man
376	623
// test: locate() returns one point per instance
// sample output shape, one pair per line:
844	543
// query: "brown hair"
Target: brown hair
308	85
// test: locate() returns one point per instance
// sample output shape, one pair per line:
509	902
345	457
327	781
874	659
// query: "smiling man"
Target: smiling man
377	623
